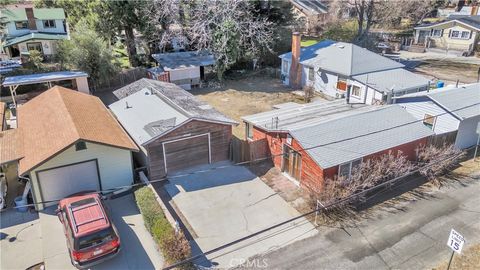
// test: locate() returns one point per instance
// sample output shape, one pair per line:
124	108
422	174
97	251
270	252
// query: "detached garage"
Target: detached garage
174	130
71	143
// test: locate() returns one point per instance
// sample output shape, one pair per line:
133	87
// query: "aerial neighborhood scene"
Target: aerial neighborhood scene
239	134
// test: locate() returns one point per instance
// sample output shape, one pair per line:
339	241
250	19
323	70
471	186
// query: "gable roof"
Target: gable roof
19	14
11	148
310	7
348	59
468	20
397	80
156	107
355	136
59	117
463	102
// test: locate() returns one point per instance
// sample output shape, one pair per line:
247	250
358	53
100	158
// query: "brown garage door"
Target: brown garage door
186	153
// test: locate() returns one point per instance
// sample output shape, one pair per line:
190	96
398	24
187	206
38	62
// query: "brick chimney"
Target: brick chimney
474	10
31	19
295	70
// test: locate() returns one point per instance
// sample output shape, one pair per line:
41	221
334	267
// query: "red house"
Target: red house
316	141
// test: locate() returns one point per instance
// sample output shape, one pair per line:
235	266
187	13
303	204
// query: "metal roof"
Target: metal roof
19	14
35	35
397	79
43	77
291	117
179	60
144	115
348	59
463	102
311	7
355	136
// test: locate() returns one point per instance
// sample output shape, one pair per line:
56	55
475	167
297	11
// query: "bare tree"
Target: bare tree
435	161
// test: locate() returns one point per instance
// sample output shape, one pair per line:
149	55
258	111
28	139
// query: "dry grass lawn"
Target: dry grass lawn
469	260
449	71
237	98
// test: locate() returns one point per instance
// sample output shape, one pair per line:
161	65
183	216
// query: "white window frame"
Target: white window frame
311	74
285	65
359	91
455	32
350	163
24	25
439	32
249	131
465	32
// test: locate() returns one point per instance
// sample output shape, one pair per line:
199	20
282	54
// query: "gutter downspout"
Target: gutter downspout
28	187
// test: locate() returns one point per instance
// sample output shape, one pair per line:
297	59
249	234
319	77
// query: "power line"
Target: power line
333	204
243	162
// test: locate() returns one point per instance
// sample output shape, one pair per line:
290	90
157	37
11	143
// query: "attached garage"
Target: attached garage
57	183
186	152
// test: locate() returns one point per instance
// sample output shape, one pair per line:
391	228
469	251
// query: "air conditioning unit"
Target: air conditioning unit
339	95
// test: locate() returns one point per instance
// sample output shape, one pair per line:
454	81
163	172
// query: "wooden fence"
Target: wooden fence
121	79
242	150
441	139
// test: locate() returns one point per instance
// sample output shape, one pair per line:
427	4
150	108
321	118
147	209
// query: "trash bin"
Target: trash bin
440	84
21	203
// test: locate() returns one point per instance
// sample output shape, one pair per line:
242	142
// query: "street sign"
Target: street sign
455	241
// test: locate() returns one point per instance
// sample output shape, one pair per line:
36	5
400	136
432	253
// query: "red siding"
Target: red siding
312	175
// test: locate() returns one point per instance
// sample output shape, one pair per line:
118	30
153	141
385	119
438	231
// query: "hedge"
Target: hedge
174	246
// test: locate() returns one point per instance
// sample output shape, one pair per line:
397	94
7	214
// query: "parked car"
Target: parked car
91	236
3	190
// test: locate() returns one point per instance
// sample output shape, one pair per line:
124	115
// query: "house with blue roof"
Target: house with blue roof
27	29
345	70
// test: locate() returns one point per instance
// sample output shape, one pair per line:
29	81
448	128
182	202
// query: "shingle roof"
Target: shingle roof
19	14
352	137
59	117
177	97
397	80
349	60
470	20
10	145
464	102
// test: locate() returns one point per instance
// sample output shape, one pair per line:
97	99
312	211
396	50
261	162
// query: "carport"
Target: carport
79	79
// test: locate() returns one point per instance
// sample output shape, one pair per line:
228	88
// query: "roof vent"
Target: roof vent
341	46
127	106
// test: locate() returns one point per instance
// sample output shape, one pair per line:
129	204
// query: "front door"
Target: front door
422	36
292	162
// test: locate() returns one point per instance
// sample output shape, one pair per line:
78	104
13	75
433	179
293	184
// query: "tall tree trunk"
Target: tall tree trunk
131	48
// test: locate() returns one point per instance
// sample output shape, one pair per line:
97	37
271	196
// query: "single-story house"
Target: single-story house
458	34
451	113
314	142
345	70
312	12
173	129
185	69
67	142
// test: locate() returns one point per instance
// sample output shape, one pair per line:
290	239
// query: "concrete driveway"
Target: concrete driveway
222	205
40	237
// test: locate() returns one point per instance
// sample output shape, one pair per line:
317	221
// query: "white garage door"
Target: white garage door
60	182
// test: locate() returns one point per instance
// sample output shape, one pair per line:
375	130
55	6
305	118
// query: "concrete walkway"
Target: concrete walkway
413	236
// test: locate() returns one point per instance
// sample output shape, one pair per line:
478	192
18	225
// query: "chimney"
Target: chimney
31	19
295	70
474	10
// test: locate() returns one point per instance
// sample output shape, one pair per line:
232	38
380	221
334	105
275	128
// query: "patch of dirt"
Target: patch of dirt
448	71
469	260
254	94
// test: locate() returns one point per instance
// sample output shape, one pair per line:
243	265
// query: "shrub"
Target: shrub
173	245
435	161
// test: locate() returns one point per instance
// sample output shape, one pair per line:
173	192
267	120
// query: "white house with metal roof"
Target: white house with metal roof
345	70
29	29
173	129
452	113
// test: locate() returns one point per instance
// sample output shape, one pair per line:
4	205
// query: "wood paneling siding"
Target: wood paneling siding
190	151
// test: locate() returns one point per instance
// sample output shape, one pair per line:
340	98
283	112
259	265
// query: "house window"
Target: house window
429	120
21	25
346	169
80	146
465	35
49	24
355	91
34	46
437	33
285	66
455	34
249	130
311	74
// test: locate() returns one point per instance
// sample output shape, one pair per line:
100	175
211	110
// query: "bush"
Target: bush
173	245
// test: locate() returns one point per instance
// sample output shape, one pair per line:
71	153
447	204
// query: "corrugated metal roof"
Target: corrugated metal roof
352	137
142	117
303	115
43	77
464	102
349	60
397	80
175	96
311	7
178	60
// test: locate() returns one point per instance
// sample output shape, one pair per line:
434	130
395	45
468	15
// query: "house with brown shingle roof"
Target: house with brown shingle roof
68	142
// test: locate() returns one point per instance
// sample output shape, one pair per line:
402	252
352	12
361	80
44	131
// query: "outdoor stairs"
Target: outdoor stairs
418	48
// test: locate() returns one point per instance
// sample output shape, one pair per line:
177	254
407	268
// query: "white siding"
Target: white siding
285	72
444	123
357	99
467	133
185	73
115	164
324	82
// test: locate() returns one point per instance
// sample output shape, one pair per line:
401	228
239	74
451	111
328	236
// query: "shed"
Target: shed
173	129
